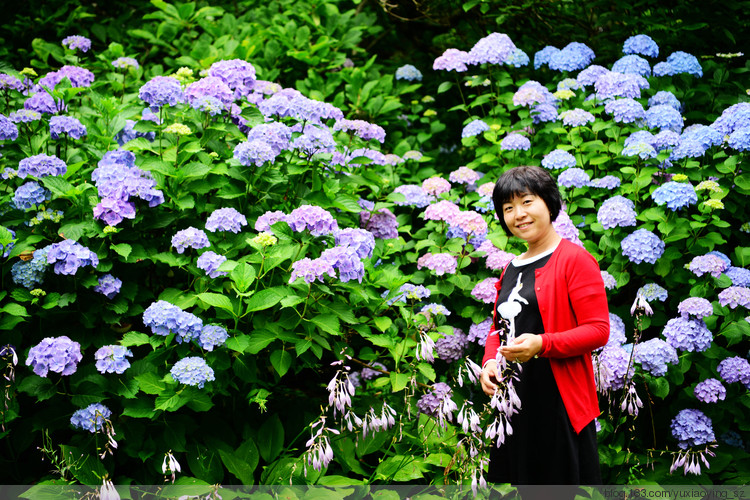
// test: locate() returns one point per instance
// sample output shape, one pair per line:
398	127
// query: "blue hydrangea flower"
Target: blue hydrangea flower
643	150
212	336
29	195
557	159
347	261
617	211
642	246
226	219
475	127
41	165
543	113
189	238
654	355
8	129
591	74
311	270
735	369
652	292
632	64
688	334
722	256
361	240
576	117
706	136
58	354
30	274
734	117
663	69
692	428
109	286
68	256
675	195
533	92
740	139
117	177
518	58
164	318
612	367
739	276
114	211
641	44
209	262
42	102
572	57
710	390
665	97
255	152
665	139
239	75
451	60
192	371
682	62
610	283
68	125
315	139
542	57
436	309
514	142
708	264
664	116
687	149
574	177
495	48
111	359
77	42
625	110
415	196
639	136
409	73
608	182
612	84
569	84
91	418
161	91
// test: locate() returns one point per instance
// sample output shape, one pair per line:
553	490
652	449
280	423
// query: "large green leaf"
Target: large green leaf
271	438
265	299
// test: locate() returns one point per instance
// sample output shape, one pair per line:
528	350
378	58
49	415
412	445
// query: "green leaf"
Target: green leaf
659	387
243	276
238	343
400	468
281	361
259	340
216	300
270	438
150	383
399	381
14	309
265	299
122	249
328	323
382	322
235	465
134	339
427	370
444	87
169	402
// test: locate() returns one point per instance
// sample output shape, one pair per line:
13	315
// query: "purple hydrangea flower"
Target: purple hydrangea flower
576	117
697	307
68	256
439	263
610	283
408	291
485	290
682	62
739	276
557	159
118	178
10	82
255	152
642	246
641	44
617	211
381	223
360	128
632	64
617	334
692	428
162	91
164	318
438	403
59	125
542	57
665	97
91	418
707	264
611	366
113	211
275	134
41	165
212	336
612	84
589	75
77	42
78	77
566	229
361	240
735	296
625	110
475	127
451	60
688	334
209	87
265	221
664	116
734	369
543	113
465	175
347	261
311	270
710	390
436	185
29	195
315	139
608	182
478	332
533	92
209	262
42	102
192	371
495	48
574	177
239	75
572	57
452	347
109	286
513	142
312	217
111	359
128	133
226	219
666	139
58	354
409	73
8	129
654	355
190	237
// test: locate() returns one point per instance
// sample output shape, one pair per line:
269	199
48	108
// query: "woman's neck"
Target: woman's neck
541	246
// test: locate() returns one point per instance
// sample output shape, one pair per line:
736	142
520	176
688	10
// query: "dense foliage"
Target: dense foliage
239	248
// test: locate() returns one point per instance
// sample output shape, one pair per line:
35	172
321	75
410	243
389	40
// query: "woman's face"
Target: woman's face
528	217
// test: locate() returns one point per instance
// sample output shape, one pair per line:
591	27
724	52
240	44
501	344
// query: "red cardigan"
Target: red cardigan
575	315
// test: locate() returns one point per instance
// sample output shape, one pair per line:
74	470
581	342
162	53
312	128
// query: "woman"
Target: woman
552	298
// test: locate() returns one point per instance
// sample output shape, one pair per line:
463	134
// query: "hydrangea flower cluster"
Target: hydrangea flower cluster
255	152
237	74
209	94
632	64
576	117
361	240
408	291
112	359
607	182
665	97
225	219
739	276
611	84
409	73
697	307
362	129
347	261
164	318
162	91
415	196
558	159
643	150
452	347
58	354
436	185
438	403
617	334
641	44
652	292
381	223
710	390
495	48
688	334
192	371
617	211
209	262
574	177
692	428
212	336
642	246
611	368
654	355
518	58
68	125
533	92
91	418
543	56
515	142
478	332
109	286
572	57
625	110
735	296
125	63
707	264
68	256
317	220
735	369
464	175
311	270
30	273
77	42
41	165
189	238
29	195
451	60
475	127
610	283
664	116
439	263
485	290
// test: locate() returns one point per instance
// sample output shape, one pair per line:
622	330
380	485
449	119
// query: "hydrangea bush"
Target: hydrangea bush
273	285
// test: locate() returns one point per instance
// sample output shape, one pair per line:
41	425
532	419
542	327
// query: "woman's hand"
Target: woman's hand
489	377
523	348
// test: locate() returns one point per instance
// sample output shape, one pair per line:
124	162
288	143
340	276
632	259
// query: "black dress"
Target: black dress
544	448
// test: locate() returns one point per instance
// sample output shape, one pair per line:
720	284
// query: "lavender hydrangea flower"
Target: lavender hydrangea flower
436	185
617	334
438	403
265	221
739	276
675	195
533	92
210	87
558	159
464	175
692	428
574	177
114	211
125	63
475	127
734	369
68	256
588	76
361	240
617	211
42	102
226	219
58	354
642	246
161	91
566	229
212	336
576	117
346	261
10	82
91	418
710	390
485	291
317	220
78	77
651	292
362	129
641	149
735	296
682	62
707	264
311	270
255	152
315	139
611	367
612	84
192	371
439	263
625	110
29	195
164	318
641	44
664	116
607	182
470	222
733	118
8	129
654	355
452	347
190	237
478	332
572	57
77	42
415	196
544	113
666	139
514	142
68	125
542	57
209	262
111	359
409	73
237	74
633	64
665	97
697	307
687	334
381	223
610	283
109	286
451	60
41	165
495	48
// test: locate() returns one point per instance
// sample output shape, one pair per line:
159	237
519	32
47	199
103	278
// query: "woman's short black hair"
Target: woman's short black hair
522	180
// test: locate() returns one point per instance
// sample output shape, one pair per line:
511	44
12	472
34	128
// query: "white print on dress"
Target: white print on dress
512	307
